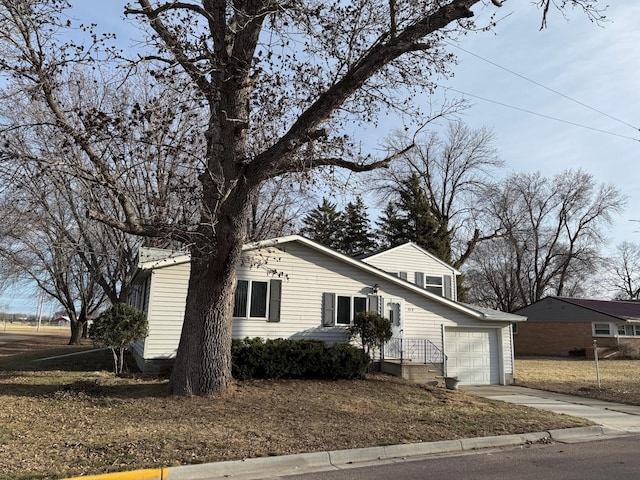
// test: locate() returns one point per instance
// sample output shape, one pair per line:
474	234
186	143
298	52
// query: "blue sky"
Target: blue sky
597	66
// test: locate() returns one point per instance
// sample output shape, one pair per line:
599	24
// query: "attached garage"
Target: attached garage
473	355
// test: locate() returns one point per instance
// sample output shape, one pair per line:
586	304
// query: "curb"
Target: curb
330	460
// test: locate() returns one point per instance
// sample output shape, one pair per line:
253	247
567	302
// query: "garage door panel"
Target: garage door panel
473	355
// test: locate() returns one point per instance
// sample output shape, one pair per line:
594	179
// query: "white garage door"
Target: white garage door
472	355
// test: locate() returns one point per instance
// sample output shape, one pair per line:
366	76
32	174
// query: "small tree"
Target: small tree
118	327
372	329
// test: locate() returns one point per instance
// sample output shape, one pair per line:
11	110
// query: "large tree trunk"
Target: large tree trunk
203	361
77	326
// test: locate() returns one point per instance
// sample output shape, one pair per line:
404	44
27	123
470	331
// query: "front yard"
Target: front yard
619	379
64	418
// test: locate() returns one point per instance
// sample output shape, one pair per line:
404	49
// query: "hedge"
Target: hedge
282	358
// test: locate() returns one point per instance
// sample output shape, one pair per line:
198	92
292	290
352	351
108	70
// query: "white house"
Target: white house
414	264
292	287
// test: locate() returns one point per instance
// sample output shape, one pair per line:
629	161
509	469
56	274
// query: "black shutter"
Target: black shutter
419	279
448	286
328	309
374	303
275	298
403	275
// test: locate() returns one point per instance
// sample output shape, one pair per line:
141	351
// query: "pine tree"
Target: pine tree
410	219
324	224
357	238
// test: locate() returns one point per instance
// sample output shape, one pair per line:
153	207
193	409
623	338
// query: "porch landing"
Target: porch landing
414	371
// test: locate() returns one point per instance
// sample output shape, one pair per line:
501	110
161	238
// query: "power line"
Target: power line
547	88
541	114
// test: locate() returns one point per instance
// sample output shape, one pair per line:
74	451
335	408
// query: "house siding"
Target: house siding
165	312
407	258
306	275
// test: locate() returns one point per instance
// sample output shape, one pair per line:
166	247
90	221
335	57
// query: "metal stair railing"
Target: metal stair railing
421	350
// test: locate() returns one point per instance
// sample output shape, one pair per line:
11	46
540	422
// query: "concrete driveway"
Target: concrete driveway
618	416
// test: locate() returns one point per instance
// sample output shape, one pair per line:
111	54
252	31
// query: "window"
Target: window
625	330
514	328
341	309
433	284
251	297
602	329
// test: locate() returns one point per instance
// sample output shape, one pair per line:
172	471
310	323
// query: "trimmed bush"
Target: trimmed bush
281	358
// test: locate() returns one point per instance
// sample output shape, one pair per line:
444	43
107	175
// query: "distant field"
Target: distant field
619	379
33	329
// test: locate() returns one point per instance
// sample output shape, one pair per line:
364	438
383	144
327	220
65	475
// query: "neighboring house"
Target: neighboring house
414	264
292	287
563	326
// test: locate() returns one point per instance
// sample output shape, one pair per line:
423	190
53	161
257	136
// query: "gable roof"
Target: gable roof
152	258
623	310
406	245
470	310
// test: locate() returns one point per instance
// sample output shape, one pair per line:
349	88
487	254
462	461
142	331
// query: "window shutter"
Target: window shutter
275	300
419	280
403	275
328	309
448	287
374	303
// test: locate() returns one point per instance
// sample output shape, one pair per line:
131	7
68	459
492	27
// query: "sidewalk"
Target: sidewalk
617	416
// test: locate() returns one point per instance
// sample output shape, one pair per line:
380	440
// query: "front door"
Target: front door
393	311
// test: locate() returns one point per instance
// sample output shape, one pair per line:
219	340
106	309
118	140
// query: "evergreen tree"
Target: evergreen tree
324	224
409	219
357	238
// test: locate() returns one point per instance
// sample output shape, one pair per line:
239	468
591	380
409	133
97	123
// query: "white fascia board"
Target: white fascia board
369	268
165	262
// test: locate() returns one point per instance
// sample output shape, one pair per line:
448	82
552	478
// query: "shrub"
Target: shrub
282	358
118	327
372	330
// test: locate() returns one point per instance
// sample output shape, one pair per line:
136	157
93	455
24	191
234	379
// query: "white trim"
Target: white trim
463	308
469	310
248	304
351	307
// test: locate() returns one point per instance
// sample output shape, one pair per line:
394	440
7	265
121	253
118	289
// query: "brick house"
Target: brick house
562	325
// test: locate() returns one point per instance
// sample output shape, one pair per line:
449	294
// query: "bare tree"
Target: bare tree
554	231
39	239
293	73
623	271
277	208
453	170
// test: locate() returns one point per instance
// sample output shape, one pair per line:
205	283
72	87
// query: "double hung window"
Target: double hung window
258	299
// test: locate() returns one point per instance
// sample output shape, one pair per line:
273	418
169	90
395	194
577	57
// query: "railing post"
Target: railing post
425	350
401	351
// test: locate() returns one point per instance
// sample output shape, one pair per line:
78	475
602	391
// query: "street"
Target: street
614	459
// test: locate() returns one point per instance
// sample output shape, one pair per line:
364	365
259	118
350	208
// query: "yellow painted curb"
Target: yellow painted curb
148	474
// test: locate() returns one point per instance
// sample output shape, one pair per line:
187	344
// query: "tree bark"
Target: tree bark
77	326
203	360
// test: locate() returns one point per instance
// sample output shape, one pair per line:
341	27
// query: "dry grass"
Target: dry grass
619	379
57	423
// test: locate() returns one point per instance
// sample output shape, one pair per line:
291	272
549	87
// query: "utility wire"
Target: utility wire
541	114
547	88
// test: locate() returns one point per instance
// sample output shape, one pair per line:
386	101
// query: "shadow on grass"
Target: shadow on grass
45	360
74	372
86	389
